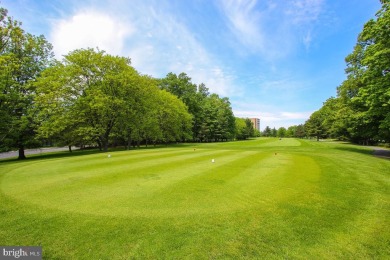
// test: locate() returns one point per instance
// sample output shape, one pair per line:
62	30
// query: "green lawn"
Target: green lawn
264	198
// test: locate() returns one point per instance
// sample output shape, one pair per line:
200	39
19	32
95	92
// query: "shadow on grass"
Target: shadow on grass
368	150
65	154
382	153
52	155
356	149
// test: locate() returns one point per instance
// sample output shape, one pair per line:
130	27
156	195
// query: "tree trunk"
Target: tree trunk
22	156
70	148
99	144
105	145
128	143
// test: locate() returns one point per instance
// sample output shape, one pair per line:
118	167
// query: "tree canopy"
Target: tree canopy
23	57
94	98
213	118
91	95
361	110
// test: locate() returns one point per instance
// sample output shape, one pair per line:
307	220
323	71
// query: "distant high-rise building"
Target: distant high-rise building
256	123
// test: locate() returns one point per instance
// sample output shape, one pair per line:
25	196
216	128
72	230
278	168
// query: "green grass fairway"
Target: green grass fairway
264	198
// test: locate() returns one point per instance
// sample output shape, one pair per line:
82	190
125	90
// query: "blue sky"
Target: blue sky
277	60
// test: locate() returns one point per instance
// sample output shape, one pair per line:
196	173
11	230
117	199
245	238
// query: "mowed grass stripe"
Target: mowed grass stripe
153	197
237	180
317	200
201	192
145	180
238	183
285	142
84	164
297	177
147	195
45	178
51	174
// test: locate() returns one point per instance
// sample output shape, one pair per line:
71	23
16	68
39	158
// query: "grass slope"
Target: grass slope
264	198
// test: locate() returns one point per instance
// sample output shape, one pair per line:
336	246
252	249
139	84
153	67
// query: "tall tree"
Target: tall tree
193	97
314	126
173	118
93	97
138	117
212	116
84	95
361	111
249	128
366	90
218	121
291	130
23	57
274	132
300	131
267	131
245	129
241	132
281	132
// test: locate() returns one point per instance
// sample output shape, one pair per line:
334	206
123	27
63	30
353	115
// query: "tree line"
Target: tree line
361	111
93	98
295	131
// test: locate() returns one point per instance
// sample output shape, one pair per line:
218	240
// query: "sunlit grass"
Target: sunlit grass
264	198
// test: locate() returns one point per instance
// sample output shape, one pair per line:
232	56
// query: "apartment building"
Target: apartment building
256	123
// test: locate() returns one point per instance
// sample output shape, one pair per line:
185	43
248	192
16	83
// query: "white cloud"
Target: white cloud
275	119
217	80
284	85
270	114
307	39
163	44
272	29
304	14
295	115
89	29
151	35
244	22
304	11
